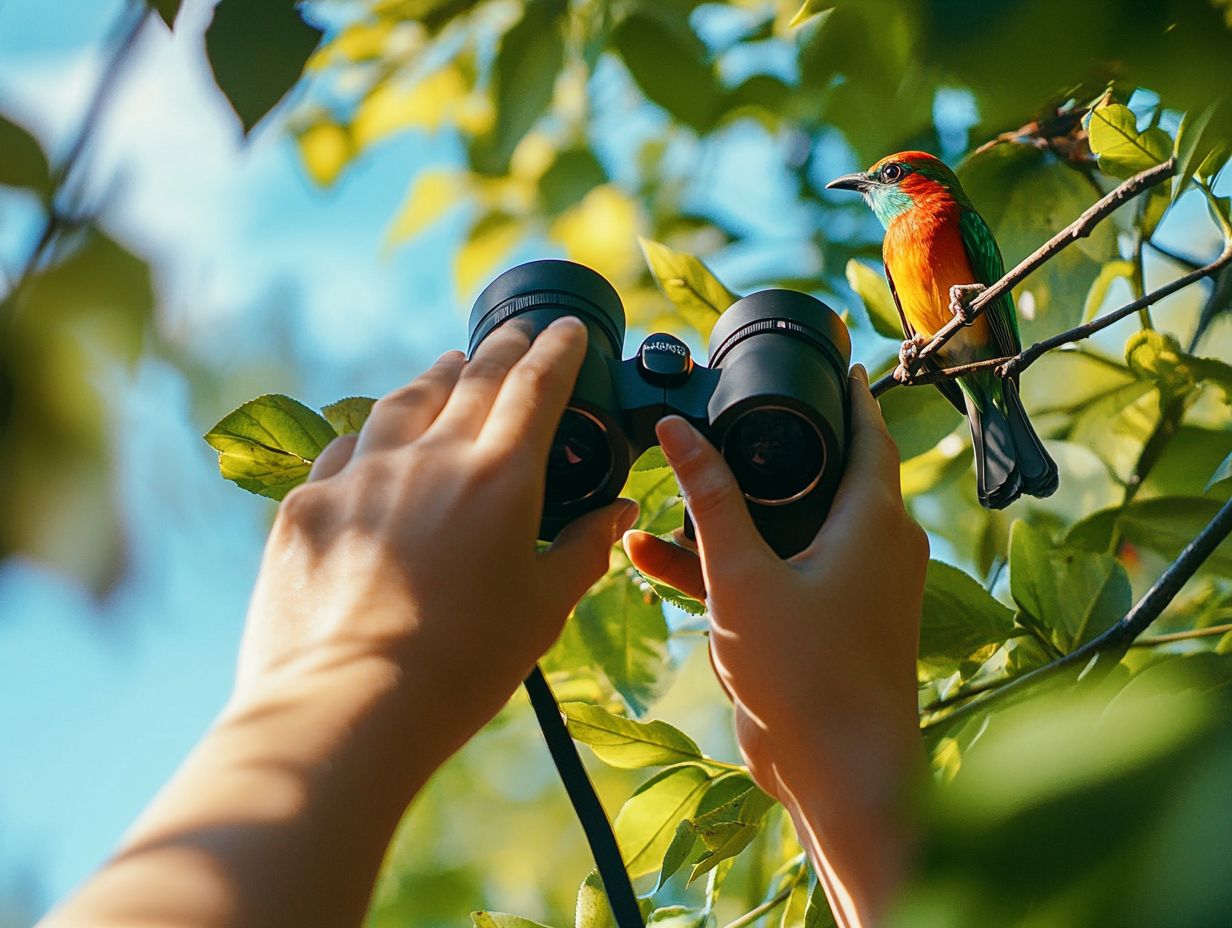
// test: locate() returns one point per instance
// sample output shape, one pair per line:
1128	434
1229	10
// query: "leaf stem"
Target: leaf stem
1152	641
768	906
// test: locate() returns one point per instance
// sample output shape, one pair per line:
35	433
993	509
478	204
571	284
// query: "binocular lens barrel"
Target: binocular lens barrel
776	454
580	463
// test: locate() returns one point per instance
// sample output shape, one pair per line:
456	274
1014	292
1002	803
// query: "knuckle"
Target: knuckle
302	507
485	369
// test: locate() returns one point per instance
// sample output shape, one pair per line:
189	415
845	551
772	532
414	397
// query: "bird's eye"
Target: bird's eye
892	172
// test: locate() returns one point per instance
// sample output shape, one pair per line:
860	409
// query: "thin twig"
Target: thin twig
754	914
1152	641
57	219
1015	364
1079	228
1109	647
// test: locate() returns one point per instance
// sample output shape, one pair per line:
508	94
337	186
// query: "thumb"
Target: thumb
725	530
579	555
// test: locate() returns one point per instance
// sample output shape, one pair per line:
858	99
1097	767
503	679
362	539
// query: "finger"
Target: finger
400	417
333	458
872	472
725	531
579	555
666	562
471	401
714	666
532	399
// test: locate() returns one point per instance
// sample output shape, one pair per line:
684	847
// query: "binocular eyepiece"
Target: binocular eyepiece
773	400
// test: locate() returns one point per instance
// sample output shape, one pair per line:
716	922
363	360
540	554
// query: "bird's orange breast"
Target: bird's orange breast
924	252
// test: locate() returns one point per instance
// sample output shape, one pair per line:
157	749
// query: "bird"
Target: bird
939	252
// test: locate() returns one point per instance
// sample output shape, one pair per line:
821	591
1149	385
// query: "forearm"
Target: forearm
282	813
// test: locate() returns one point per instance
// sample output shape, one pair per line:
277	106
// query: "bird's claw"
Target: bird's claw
910	349
961	296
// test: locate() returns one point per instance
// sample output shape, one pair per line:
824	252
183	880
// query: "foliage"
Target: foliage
1030	816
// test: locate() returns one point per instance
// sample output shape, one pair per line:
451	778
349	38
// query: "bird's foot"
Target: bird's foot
961	296
908	352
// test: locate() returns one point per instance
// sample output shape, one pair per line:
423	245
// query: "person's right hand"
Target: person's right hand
818	651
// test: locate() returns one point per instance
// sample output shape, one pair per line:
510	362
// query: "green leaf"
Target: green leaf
531	54
646	823
1164	525
1191	148
348	416
698	295
573	174
1111	272
1121	148
729	828
267	446
1223	473
23	163
1068	594
621	742
626	635
677	916
593	909
167	9
808	9
651	459
918	419
683	848
871	287
959	618
658	495
502	920
670	64
669	594
257	50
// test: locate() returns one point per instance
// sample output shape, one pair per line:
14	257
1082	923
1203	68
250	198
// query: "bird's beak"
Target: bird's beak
857	181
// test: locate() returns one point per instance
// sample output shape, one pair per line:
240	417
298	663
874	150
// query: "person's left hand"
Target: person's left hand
413	545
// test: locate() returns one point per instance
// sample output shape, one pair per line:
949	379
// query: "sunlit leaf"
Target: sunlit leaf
626	634
918	418
601	231
23	163
348	415
1123	150
1165	525
257	50
489	241
959	617
1191	147
573	174
622	742
670	594
326	149
1069	595
871	287
647	821
729	828
593	909
691	286
676	916
941	463
502	920
651	459
1111	272
267	446
683	848
392	107
432	194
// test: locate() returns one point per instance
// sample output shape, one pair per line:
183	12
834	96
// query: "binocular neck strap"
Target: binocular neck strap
586	803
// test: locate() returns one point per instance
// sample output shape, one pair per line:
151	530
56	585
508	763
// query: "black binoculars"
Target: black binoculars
774	399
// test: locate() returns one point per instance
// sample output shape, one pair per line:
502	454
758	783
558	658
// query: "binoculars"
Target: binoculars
774	399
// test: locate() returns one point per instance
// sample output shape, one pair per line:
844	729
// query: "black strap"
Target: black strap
586	803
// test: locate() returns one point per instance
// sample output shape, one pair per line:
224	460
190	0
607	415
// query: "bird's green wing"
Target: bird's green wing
989	267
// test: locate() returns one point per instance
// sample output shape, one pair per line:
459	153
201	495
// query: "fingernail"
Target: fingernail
567	322
677	438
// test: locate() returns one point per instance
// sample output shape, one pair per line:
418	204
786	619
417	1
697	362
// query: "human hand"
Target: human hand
817	651
413	544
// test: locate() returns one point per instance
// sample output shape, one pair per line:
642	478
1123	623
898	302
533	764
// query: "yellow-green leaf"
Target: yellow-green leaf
431	196
502	920
693	289
593	909
326	149
622	742
1111	272
871	287
1121	148
647	821
267	446
348	415
22	162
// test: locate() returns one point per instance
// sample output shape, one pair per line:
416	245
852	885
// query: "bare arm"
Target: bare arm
367	655
817	652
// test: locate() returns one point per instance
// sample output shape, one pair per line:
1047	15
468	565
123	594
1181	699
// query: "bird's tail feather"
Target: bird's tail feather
1010	459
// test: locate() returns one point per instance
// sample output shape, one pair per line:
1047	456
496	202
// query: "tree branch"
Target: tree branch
1079	228
1016	364
1109	647
1154	641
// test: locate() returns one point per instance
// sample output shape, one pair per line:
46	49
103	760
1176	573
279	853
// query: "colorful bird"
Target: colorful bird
935	241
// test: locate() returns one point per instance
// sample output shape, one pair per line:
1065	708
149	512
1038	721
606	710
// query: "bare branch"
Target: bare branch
1108	648
1079	228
